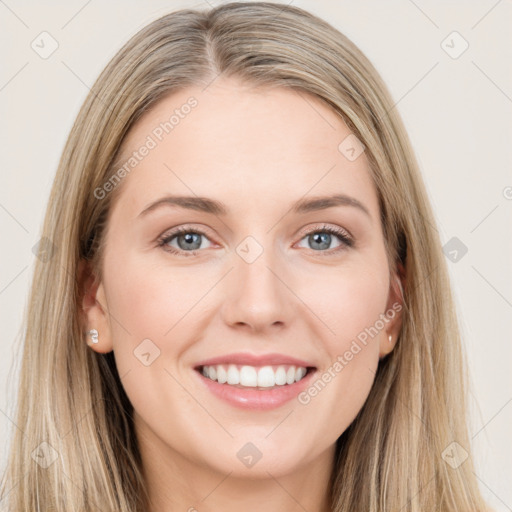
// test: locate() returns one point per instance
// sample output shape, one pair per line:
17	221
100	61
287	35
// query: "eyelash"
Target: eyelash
343	236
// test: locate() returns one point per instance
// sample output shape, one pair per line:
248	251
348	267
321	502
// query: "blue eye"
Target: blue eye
186	239
189	240
323	237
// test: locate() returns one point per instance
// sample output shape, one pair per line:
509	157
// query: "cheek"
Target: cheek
152	311
150	301
349	300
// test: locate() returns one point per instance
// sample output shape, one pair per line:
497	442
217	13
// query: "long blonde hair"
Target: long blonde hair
71	398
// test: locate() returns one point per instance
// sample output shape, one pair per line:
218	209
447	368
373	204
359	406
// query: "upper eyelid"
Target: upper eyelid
325	226
177	230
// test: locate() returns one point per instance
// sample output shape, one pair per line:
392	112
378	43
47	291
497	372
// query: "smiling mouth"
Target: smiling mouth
255	377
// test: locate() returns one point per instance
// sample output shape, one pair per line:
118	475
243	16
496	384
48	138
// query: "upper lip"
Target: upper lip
245	358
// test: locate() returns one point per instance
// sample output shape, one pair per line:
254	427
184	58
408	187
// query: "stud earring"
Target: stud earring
390	338
93	333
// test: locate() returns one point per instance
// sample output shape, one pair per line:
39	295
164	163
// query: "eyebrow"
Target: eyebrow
207	205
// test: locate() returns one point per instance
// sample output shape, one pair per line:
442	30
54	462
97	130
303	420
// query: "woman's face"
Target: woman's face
256	273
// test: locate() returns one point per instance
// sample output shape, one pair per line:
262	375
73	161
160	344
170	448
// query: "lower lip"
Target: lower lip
253	398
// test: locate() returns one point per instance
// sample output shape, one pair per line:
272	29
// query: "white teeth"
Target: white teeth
280	376
233	375
251	376
248	376
300	373
266	377
222	375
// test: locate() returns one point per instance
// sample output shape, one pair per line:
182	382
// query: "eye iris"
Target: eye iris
189	238
323	239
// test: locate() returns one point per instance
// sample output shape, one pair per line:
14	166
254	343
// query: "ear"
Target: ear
93	308
394	312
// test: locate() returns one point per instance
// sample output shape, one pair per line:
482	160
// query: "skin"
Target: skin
257	151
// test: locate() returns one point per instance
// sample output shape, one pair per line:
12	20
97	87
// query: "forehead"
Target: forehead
242	145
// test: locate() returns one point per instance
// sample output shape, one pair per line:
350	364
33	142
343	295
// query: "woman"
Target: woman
243	301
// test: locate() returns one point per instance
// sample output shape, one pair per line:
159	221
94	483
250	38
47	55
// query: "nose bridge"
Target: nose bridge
256	293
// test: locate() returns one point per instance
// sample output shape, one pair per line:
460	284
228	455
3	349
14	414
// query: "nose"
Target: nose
257	296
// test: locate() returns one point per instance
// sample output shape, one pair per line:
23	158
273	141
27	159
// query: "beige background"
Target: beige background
457	111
